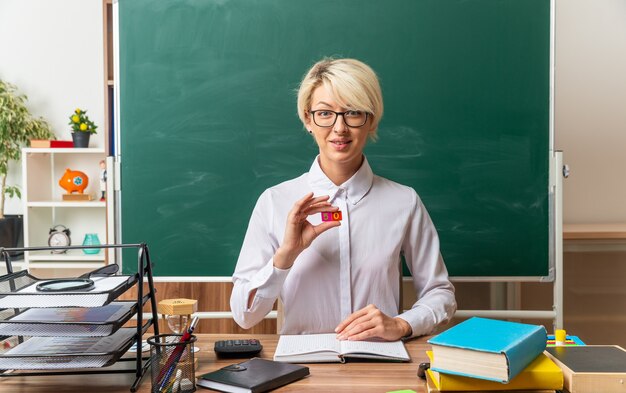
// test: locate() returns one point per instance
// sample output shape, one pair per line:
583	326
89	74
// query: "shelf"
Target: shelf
19	290
61	265
44	206
95	203
71	255
42	353
86	150
73	259
594	231
69	322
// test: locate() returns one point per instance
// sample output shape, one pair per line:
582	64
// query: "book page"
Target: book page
390	349
307	343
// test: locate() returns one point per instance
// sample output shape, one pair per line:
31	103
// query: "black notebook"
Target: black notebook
253	376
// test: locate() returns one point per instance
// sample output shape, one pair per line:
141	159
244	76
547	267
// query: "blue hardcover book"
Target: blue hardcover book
487	348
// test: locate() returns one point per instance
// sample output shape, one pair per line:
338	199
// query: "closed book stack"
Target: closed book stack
45	143
540	375
487	349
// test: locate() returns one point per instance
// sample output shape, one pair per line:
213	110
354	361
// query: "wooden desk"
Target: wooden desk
325	377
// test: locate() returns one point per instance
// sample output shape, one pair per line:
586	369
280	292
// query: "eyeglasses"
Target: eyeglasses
327	118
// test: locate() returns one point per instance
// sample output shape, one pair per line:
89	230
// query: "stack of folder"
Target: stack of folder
541	375
486	355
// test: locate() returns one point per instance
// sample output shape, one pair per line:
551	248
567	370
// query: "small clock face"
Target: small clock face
58	239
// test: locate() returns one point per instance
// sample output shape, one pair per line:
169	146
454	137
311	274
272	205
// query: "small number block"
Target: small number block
331	216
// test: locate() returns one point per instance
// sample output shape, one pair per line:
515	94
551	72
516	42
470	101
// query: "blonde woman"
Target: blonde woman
341	276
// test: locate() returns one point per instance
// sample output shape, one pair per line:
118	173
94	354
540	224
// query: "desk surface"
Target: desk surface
325	377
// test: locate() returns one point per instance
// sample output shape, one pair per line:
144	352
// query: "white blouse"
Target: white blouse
347	267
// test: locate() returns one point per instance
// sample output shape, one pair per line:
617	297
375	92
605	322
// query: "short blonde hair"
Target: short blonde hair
353	84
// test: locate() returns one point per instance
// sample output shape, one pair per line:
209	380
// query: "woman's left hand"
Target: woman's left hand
370	322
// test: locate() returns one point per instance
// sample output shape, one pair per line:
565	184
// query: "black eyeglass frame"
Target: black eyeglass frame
337	114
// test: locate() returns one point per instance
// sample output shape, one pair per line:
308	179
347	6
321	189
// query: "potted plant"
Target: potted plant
17	127
82	128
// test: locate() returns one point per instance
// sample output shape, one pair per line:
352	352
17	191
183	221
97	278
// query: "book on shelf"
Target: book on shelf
541	373
253	376
46	143
77	197
591	368
431	387
488	349
325	348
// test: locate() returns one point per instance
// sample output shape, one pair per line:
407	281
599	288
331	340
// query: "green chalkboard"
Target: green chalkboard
208	120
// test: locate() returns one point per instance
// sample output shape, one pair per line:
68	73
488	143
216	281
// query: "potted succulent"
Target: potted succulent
82	128
17	127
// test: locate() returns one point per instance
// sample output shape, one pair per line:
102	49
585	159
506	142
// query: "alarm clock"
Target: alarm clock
59	236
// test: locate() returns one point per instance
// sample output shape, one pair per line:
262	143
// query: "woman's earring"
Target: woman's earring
310	132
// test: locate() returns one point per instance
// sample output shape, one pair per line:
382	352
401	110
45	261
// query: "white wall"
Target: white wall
590	108
53	52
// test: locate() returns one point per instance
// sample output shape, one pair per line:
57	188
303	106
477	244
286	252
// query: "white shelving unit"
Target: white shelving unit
44	207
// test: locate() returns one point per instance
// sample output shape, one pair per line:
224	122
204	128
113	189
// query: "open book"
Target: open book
324	348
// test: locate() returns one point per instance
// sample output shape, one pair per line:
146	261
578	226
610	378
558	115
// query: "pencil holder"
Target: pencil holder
172	364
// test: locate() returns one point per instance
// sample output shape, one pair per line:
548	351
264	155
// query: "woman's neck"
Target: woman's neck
340	173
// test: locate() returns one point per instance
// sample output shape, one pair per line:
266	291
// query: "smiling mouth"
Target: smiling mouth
340	142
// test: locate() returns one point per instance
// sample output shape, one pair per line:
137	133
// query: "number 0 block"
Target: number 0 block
331	216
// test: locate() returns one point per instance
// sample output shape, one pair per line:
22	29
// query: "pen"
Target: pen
172	384
166	383
170	364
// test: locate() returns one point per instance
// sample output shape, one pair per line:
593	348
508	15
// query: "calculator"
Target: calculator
237	348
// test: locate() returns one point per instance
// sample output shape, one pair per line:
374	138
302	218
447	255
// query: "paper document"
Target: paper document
61	352
29	296
79	321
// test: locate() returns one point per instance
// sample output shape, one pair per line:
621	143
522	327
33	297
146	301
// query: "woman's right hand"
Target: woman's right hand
299	232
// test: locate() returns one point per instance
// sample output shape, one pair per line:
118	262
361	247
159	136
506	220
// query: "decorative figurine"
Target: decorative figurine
103	180
74	181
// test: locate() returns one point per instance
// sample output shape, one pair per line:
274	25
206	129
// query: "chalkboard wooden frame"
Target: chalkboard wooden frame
408	138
